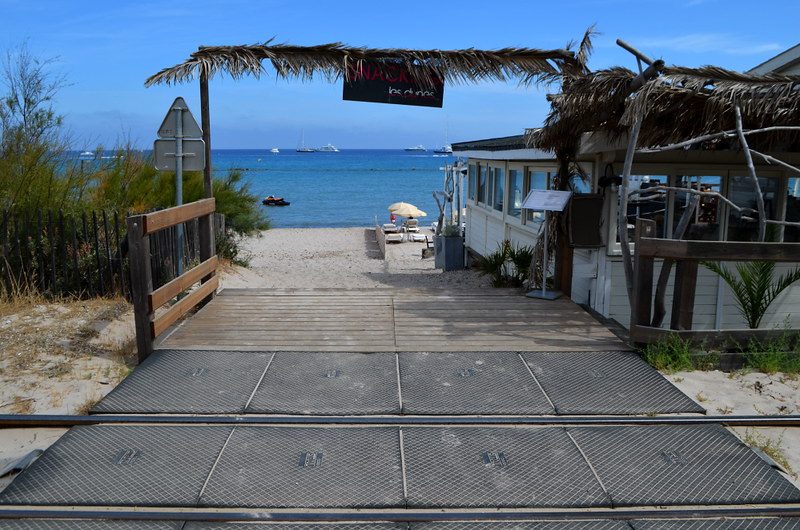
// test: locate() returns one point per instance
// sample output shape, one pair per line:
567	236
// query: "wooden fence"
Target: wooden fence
149	301
83	255
687	254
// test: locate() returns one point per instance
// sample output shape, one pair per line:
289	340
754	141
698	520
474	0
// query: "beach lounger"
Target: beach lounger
389	228
411	225
394	237
418	237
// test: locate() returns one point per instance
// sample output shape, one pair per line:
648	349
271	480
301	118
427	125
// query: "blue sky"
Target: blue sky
107	49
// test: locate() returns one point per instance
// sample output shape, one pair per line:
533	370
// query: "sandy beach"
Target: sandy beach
347	258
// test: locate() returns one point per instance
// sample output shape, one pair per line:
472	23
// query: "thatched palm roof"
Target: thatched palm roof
679	104
332	62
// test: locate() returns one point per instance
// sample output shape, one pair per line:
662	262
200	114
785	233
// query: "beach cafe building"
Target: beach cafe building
590	126
502	171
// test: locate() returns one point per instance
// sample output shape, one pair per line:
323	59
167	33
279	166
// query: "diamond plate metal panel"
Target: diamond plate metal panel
523	525
188	382
322	467
368	525
121	465
329	383
606	383
717	524
469	383
497	467
680	465
75	524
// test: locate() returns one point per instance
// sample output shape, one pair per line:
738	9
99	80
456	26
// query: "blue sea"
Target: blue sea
345	189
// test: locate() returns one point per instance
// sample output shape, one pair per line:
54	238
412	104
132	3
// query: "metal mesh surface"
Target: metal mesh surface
298	526
121	465
606	383
469	383
523	525
502	467
322	467
188	382
329	383
74	524
728	524
680	465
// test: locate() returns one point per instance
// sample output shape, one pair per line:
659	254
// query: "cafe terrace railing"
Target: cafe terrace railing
687	255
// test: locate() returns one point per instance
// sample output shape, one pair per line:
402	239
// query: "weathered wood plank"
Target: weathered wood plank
162	219
172	289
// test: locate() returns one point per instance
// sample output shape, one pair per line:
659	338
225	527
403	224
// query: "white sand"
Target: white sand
343	258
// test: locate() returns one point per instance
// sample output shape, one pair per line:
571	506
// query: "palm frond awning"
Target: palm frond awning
679	104
333	61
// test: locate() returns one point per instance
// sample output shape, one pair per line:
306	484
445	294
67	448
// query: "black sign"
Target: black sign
390	84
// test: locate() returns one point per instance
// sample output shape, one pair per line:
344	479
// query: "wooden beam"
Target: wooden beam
160	324
205	119
169	291
162	219
683	295
717	250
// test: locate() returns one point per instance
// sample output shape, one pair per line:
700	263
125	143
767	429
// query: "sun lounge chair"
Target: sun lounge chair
411	225
394	237
389	227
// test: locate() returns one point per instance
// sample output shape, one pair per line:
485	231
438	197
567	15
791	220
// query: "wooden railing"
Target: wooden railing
150	321
687	255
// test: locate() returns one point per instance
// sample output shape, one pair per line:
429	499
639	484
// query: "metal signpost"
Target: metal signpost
548	201
174	152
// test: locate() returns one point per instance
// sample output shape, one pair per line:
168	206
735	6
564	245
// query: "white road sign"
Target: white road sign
168	127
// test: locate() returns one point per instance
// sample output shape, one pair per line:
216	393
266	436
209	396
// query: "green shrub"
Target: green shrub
508	266
671	355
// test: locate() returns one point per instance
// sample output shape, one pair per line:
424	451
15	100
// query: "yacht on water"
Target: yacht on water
330	148
447	149
416	148
274	150
303	148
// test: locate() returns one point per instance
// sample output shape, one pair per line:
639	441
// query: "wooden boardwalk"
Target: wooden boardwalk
369	320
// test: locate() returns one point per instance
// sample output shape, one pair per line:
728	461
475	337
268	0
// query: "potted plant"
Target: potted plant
449	248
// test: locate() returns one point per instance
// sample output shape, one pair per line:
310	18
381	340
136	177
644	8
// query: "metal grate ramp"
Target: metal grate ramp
346	467
329	383
759	523
121	466
505	467
188	382
342	384
78	524
605	383
680	465
414	467
469	383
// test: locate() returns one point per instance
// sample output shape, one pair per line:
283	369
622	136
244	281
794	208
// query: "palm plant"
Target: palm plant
754	286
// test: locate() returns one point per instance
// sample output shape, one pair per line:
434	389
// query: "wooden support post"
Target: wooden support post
642	276
205	225
205	119
683	295
141	284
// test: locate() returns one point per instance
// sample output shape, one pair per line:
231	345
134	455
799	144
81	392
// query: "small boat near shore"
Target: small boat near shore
274	201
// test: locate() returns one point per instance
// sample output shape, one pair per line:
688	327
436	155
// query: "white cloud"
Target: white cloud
710	43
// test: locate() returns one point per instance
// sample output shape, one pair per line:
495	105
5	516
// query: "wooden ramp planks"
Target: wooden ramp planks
364	320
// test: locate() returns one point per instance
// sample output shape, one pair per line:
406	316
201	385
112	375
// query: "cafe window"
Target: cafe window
743	194
647	205
537	180
471	182
499	181
481	184
514	192
791	234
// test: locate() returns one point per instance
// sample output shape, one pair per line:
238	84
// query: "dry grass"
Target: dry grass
54	351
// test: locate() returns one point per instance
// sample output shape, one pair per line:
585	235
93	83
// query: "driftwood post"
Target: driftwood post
762	219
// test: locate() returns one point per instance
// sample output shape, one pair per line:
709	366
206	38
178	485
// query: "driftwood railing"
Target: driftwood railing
150	322
687	255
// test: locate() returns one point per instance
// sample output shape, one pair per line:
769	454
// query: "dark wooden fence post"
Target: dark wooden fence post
141	283
642	276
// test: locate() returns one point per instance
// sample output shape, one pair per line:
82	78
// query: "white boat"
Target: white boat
447	149
303	148
274	150
416	148
328	148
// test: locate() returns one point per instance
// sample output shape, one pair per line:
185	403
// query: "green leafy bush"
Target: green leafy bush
508	266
